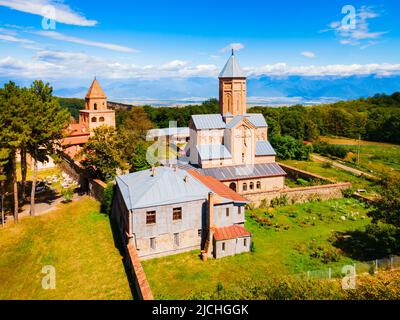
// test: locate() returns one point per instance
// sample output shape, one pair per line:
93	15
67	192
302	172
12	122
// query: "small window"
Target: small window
240	210
258	185
150	217
101	119
223	246
153	243
176	239
227	212
199	232
251	185
177	214
245	242
95	106
244	187
94	119
243	158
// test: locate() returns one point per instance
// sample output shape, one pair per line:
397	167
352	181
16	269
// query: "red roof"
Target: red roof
231	232
217	187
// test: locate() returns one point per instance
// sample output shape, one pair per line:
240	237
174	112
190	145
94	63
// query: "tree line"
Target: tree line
32	123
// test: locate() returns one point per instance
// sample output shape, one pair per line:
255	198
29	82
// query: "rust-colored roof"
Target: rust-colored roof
95	90
76	129
217	187
231	232
75	140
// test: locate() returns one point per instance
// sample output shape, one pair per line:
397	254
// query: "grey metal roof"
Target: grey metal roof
244	171
168	132
208	121
142	190
257	119
234	121
232	69
264	148
213	151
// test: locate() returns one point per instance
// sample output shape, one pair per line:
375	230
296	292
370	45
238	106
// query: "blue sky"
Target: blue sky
128	39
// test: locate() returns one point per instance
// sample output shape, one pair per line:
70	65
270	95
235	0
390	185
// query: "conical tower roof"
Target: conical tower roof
95	90
232	69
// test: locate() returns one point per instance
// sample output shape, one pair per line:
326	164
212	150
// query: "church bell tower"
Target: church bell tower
232	89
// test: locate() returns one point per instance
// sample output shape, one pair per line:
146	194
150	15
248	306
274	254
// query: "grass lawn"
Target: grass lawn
334	174
280	252
375	157
77	240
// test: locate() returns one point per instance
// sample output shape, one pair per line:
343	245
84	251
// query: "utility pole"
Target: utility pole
358	149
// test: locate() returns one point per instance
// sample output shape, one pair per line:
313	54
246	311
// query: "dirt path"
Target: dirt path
338	165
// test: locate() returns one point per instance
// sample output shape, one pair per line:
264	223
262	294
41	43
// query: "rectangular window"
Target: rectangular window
223	246
153	243
150	217
176	239
227	212
177	214
245	242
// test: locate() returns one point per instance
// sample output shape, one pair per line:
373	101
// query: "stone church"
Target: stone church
94	115
233	146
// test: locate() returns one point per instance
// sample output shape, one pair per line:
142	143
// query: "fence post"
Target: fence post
376	266
391	263
330	273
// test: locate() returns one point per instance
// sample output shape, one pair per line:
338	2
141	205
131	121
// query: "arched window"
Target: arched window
251	185
258	185
244	186
95	106
101	119
94	119
233	186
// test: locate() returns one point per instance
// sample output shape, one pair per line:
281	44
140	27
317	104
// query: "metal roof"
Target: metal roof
208	121
213	151
244	171
142	189
234	121
168	132
230	232
232	69
257	119
264	148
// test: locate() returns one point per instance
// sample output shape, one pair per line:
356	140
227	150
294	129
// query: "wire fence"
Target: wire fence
372	267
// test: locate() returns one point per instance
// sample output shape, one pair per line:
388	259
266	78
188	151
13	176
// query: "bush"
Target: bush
348	193
331	150
288	148
108	196
278	202
67	194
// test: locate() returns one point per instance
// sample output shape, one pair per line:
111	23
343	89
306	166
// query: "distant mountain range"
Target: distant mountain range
263	90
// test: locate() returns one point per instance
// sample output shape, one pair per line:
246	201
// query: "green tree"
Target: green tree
47	120
287	147
138	161
14	130
4	176
103	155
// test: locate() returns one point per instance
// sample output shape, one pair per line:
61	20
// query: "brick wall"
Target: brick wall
139	276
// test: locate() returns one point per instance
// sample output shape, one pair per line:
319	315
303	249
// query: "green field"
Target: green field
304	231
334	174
375	157
77	240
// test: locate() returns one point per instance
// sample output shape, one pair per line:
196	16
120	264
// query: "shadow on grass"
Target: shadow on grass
358	245
120	245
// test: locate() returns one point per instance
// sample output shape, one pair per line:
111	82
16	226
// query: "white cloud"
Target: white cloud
308	54
104	45
62	12
234	46
174	65
361	35
11	38
339	70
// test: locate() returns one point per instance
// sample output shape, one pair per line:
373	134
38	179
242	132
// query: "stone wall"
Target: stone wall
304	194
96	189
297	173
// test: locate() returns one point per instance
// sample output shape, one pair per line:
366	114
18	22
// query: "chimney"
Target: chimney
211	202
153	171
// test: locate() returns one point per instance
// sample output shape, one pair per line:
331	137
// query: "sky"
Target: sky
70	41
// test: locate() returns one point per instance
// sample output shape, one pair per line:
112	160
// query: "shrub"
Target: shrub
281	201
331	150
287	147
348	193
108	196
67	194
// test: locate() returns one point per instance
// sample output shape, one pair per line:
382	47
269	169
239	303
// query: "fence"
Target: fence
372	267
